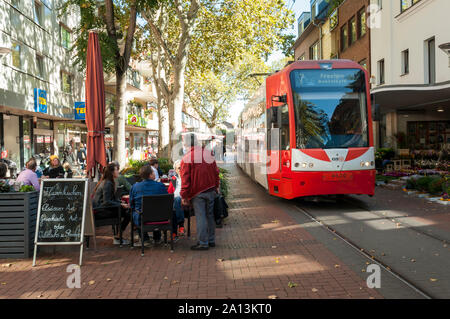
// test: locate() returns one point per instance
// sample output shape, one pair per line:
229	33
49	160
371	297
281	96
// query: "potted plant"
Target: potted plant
18	213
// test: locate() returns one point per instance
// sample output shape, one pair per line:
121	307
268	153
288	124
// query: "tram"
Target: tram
308	131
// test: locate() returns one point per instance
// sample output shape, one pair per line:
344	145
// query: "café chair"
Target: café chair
156	214
114	220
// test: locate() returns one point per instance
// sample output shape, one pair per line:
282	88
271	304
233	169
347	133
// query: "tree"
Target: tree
115	21
175	44
206	40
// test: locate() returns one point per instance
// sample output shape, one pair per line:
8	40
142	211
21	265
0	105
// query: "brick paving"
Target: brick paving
260	250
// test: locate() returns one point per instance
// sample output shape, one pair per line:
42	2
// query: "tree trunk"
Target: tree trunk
119	119
160	129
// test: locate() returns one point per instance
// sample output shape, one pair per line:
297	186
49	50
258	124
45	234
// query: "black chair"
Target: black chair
114	219
157	214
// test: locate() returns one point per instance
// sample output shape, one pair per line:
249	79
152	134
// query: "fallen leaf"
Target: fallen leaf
433	279
413	260
314	290
276	221
40	296
220	259
175	282
274	247
292	284
3	283
170	259
179	262
371	297
166	278
108	279
337	266
363	270
91	282
273	297
6	265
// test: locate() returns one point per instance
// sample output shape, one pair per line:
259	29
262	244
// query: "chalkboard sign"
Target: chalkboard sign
61	214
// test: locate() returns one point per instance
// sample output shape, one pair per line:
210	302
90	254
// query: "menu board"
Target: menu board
62	209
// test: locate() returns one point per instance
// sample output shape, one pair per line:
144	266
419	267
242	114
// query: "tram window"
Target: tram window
285	141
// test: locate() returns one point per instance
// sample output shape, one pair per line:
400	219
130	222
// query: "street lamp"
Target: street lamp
446	48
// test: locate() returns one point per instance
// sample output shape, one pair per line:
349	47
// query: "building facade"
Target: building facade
42	93
411	74
38	84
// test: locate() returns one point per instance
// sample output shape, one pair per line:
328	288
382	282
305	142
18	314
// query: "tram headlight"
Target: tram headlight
304	165
311	165
366	164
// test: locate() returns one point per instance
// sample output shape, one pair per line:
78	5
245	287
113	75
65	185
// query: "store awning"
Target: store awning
393	98
21	112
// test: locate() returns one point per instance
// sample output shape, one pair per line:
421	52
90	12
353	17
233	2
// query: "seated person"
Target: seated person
28	176
54	170
155	166
105	198
147	187
175	188
67	170
122	181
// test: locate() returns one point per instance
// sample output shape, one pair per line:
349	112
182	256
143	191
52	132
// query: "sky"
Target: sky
298	7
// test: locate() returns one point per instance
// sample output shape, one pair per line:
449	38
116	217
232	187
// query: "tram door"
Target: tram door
273	148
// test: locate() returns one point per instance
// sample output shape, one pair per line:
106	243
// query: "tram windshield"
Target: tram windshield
330	108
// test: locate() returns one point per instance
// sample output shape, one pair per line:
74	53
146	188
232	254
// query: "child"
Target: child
67	171
175	188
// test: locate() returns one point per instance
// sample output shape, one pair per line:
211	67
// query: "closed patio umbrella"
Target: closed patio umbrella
95	106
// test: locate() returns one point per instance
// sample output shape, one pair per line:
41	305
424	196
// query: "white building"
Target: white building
411	74
39	67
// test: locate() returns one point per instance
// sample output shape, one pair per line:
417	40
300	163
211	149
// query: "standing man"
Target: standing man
199	185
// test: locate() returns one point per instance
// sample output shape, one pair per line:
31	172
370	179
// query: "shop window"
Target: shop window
428	135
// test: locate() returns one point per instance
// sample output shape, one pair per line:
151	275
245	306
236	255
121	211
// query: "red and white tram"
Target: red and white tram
308	131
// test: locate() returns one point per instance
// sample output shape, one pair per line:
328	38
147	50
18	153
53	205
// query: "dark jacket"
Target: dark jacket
144	188
199	173
54	172
105	196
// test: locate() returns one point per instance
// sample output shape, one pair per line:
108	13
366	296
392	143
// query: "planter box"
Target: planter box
18	213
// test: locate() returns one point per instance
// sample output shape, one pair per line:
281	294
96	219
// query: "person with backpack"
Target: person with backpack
200	184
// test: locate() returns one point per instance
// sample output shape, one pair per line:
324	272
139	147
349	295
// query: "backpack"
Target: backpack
220	208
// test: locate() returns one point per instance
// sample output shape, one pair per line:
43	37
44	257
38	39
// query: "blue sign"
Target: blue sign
80	111
40	101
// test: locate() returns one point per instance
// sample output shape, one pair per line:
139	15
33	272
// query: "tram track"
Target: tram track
389	269
393	219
